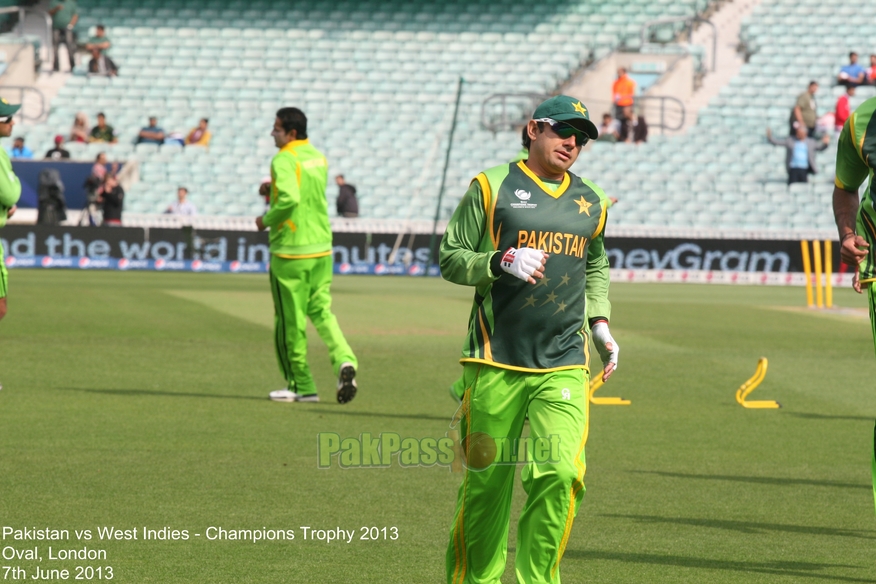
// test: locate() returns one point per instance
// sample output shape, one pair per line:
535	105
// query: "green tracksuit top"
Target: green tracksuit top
10	186
298	215
855	163
513	324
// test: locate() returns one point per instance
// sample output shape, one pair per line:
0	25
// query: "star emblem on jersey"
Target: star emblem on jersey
530	301
549	298
583	206
564	280
543	282
579	108
561	307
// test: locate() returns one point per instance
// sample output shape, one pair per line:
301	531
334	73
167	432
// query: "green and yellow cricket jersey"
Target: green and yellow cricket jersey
513	324
298	215
855	162
10	187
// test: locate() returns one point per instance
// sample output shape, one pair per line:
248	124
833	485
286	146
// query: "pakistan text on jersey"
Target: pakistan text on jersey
553	242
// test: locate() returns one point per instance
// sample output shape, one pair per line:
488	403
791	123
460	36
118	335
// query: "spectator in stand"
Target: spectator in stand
94	182
182	205
151	134
348	206
852	75
99	41
804	115
622	92
199	136
871	72
19	150
633	128
842	109
101	64
103	132
81	130
58	153
65	14
112	197
608	131
800	154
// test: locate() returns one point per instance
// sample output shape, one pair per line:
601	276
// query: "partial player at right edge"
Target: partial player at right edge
855	162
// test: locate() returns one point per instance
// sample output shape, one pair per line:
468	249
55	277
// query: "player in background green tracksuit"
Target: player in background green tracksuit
529	237
856	221
10	191
301	262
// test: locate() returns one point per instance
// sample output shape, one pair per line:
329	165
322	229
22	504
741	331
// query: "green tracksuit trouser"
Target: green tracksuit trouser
496	403
4	275
871	293
302	290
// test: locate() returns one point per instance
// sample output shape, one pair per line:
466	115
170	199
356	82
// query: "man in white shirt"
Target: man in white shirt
182	206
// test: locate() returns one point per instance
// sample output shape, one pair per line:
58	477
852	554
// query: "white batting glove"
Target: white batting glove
605	344
524	263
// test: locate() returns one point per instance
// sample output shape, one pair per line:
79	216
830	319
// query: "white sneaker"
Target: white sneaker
284	395
347	383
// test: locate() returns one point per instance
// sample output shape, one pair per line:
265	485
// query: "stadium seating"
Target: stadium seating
376	78
723	172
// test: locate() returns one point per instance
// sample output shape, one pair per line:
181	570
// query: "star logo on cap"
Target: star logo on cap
579	108
583	206
3	101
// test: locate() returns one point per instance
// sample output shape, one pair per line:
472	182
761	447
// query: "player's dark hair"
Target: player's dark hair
853	54
205	120
527	141
292	118
101	115
100	27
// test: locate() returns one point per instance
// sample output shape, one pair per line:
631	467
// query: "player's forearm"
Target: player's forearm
596	289
845	211
466	267
280	212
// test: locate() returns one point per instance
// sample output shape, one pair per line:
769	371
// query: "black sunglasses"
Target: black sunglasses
564	130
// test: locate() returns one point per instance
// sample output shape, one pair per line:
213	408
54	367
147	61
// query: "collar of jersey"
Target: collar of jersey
555	194
291	146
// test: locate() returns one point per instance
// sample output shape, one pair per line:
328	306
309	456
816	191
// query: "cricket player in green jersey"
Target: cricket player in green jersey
528	236
856	221
301	262
10	191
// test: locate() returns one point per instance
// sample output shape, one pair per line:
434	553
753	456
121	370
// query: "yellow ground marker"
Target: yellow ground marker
595	384
746	388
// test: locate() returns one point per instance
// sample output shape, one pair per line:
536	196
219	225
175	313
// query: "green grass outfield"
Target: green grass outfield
140	399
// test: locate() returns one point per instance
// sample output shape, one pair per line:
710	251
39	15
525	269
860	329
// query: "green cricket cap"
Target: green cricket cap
563	108
7	109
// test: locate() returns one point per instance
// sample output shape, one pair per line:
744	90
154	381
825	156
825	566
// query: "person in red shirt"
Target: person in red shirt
871	71
622	92
842	109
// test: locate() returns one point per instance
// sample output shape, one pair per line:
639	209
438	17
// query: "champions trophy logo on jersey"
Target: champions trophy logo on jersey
524	197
